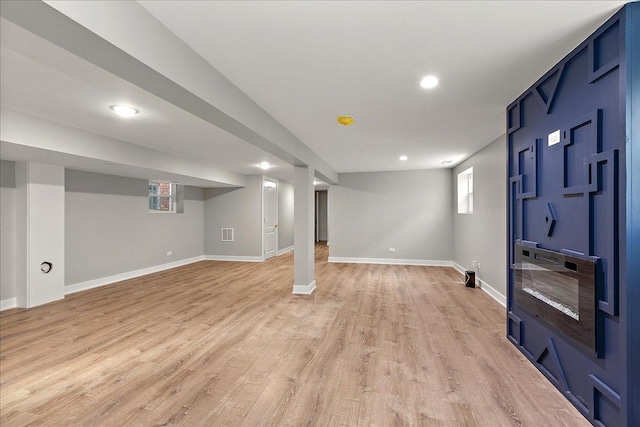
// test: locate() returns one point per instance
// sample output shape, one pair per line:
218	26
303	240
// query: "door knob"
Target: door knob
276	226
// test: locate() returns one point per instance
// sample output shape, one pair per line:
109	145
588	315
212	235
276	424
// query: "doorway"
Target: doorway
321	217
270	217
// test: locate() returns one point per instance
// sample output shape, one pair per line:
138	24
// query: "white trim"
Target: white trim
492	292
233	258
8	303
391	261
161	212
304	290
285	250
90	284
458	267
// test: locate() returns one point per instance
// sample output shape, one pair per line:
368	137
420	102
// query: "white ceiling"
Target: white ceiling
43	80
307	62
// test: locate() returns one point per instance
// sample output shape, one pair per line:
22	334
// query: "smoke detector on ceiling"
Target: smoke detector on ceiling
345	120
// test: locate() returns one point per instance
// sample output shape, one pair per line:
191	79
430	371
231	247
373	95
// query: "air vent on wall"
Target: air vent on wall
227	234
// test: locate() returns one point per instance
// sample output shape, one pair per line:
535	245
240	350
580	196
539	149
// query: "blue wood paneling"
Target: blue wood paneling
574	143
630	264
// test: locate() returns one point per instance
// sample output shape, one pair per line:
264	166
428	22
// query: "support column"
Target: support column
39	233
303	240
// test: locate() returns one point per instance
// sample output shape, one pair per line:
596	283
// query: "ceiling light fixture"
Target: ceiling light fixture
264	165
447	162
345	120
429	82
124	110
315	182
404	158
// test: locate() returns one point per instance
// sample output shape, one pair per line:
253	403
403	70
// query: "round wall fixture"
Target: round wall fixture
46	267
345	120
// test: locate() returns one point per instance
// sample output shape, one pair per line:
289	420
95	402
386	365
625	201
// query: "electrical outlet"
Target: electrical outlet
475	264
169	253
478	266
392	249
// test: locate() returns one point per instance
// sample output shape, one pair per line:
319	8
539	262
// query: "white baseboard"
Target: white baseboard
391	261
484	286
285	250
233	258
458	267
304	290
90	284
493	293
8	303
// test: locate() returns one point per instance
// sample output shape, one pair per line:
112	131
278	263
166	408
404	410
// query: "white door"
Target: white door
270	216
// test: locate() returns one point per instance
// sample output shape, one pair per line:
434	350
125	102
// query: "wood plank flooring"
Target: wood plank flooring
227	344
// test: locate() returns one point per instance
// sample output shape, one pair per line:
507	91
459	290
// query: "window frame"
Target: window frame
157	196
465	191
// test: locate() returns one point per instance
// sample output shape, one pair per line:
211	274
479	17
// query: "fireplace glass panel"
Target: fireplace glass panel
557	290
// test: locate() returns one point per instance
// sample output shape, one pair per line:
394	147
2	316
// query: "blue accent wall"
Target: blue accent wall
573	147
631	293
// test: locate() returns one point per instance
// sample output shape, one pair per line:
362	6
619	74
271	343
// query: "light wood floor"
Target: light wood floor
225	343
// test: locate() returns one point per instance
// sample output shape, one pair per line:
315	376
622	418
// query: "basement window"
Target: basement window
465	191
165	197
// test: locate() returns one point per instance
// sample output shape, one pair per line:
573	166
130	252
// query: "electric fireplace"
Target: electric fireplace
560	289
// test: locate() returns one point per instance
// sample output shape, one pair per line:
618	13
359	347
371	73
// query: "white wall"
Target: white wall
40	233
109	229
237	208
410	211
7	230
285	215
481	236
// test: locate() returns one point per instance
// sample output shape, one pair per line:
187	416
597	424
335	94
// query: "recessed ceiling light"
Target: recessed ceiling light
346	120
124	110
404	158
447	162
429	82
264	165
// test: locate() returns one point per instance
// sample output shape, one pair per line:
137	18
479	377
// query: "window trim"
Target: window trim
171	196
465	191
